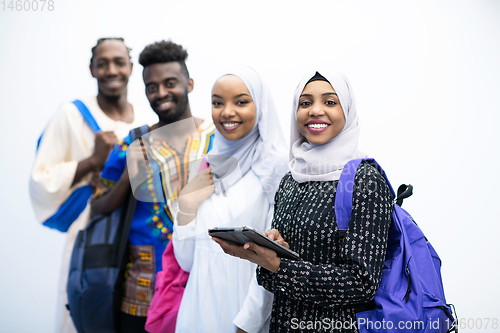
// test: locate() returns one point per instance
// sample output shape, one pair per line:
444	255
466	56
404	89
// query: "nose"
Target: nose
228	111
317	110
112	69
162	91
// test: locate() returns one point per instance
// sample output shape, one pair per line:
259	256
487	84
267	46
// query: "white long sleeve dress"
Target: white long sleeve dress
221	288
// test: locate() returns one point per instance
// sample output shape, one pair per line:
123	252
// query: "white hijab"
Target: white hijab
263	150
309	162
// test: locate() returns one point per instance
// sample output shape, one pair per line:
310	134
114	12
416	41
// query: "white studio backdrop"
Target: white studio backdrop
425	74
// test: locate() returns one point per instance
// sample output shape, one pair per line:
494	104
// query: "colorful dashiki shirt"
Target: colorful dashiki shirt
152	225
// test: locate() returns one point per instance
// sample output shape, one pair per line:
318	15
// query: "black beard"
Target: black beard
178	114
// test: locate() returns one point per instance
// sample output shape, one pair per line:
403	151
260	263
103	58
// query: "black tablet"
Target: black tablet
240	236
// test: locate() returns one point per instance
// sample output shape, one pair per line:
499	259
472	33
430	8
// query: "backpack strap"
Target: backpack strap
132	201
139	131
87	116
345	188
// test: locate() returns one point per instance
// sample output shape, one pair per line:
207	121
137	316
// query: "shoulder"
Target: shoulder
66	122
286	179
251	179
368	178
67	112
365	169
287	185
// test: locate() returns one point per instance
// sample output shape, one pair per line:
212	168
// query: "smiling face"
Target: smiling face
320	117
111	67
233	109
167	88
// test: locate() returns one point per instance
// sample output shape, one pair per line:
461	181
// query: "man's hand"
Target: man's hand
94	180
104	142
138	168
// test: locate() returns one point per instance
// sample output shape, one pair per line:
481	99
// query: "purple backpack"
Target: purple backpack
410	296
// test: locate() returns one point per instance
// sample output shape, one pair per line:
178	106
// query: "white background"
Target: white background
426	76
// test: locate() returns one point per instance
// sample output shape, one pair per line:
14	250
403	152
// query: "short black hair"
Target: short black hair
101	40
164	51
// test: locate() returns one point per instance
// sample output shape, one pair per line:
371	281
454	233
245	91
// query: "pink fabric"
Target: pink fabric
169	288
204	164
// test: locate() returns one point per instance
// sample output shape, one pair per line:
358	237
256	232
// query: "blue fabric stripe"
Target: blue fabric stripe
87	115
210	143
70	209
76	203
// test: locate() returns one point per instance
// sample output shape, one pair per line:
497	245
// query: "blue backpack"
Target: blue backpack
97	266
410	296
69	211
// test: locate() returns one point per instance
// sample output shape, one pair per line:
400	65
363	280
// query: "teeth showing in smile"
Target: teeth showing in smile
230	125
317	125
113	82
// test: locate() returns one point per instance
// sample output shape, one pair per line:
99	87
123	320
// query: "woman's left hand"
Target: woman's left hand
259	255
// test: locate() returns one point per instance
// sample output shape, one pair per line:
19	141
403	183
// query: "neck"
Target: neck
116	108
113	105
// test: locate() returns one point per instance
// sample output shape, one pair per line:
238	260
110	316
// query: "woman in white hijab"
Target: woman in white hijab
249	150
334	276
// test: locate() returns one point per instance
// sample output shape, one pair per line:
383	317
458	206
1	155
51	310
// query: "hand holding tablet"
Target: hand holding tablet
241	235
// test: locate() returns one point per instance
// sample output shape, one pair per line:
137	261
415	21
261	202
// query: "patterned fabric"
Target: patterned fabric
139	285
152	226
323	289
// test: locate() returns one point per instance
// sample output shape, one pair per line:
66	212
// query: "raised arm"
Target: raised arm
113	198
113	185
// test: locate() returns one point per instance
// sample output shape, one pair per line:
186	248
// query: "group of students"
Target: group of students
248	180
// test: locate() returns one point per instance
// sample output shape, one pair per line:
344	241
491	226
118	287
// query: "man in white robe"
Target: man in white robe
70	154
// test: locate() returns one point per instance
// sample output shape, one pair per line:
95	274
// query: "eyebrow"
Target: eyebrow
325	94
115	58
167	79
241	95
237	96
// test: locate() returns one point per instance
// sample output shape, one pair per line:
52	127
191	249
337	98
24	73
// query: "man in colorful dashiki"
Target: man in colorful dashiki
70	154
167	84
